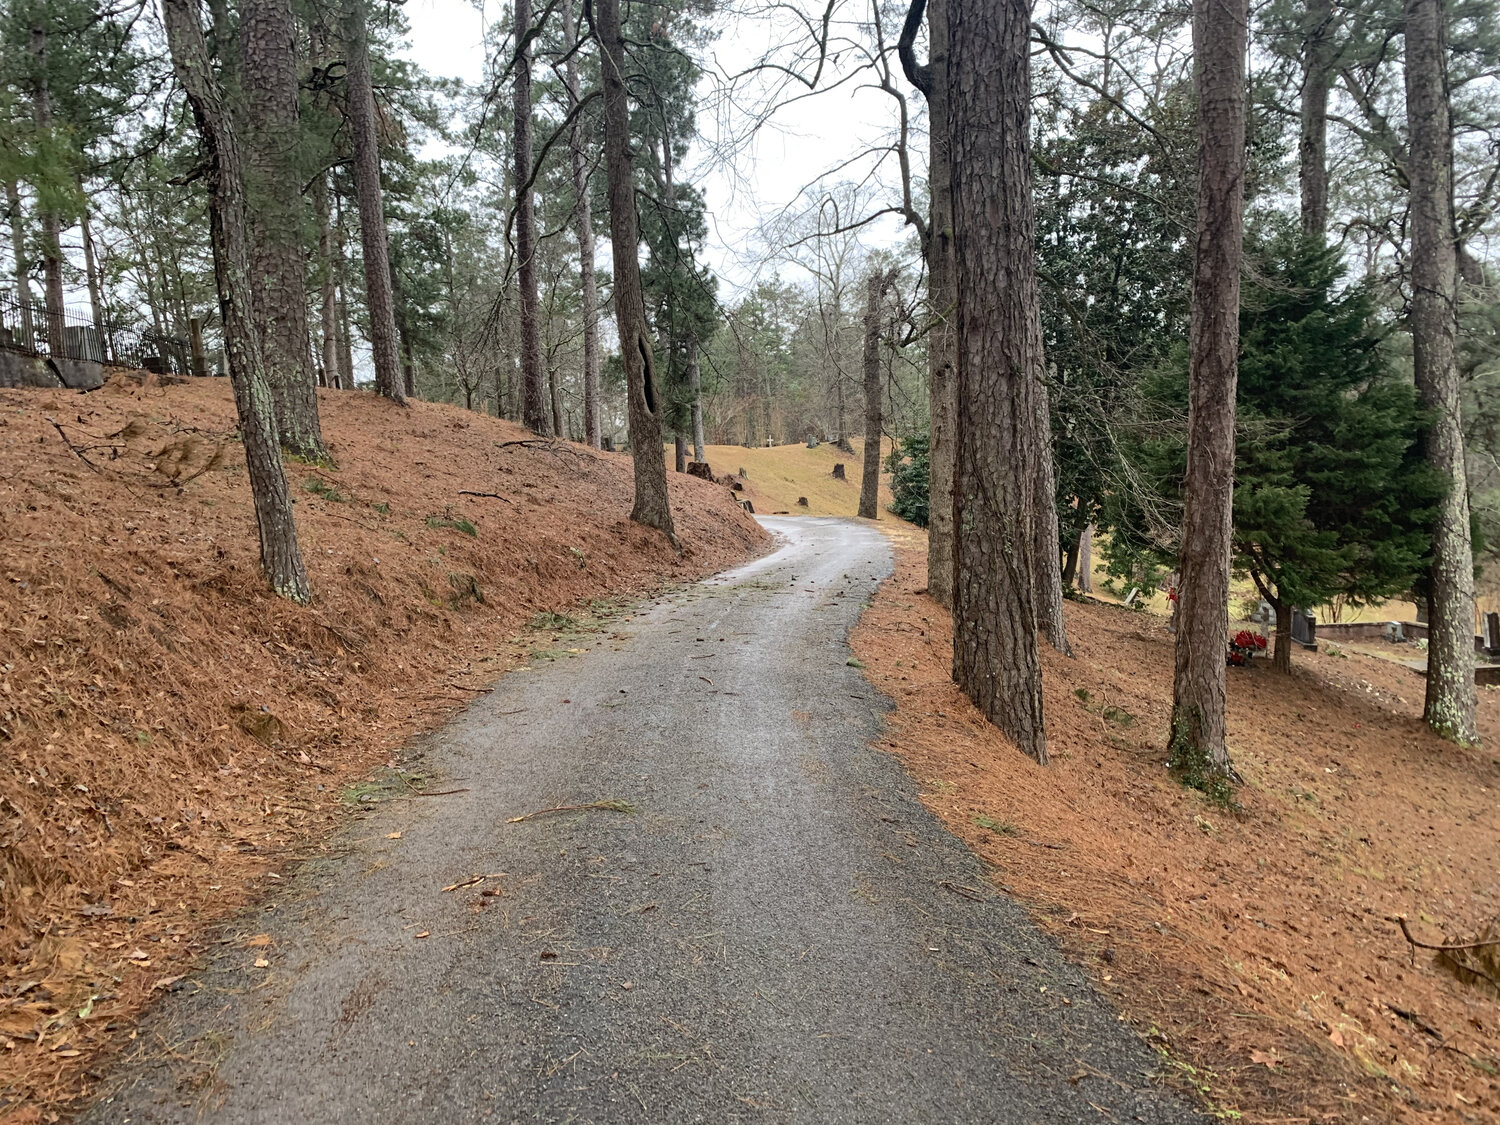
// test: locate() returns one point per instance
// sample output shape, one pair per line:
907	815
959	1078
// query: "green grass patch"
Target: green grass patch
438	523
320	487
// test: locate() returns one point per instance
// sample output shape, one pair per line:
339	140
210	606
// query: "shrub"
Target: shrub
909	469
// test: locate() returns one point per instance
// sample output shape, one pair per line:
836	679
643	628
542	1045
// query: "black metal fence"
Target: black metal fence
26	326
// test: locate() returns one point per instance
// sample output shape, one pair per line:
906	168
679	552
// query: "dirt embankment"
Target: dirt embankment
1256	949
169	730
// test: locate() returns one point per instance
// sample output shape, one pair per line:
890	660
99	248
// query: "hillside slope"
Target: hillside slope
776	476
169	727
1256	947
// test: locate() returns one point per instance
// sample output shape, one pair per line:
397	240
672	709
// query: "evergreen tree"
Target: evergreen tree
1332	497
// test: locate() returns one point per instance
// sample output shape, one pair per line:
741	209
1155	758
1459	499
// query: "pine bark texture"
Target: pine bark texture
268	58
379	300
1198	685
1450	704
941	300
533	379
583	225
280	557
995	657
652	506
1312	145
869	485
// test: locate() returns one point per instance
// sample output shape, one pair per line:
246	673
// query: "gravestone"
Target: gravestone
1393	632
1130	597
1492	633
1305	629
83	342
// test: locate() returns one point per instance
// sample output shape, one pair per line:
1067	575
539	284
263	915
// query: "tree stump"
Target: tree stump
838	471
700	470
802	501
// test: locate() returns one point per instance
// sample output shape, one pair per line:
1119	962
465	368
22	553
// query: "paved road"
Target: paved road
767	938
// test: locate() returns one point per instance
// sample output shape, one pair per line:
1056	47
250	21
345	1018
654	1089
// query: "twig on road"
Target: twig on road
606	806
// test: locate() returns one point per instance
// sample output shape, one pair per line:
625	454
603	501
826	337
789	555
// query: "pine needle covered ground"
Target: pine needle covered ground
1256	948
171	733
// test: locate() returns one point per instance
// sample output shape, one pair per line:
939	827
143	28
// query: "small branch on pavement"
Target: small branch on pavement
606	806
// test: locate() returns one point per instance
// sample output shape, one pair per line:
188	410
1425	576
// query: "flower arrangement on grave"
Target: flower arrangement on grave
1243	646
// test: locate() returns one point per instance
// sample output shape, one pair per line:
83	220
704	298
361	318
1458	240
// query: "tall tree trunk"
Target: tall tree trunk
403	336
379	301
408	360
652	507
341	276
1086	560
1450	705
96	292
695	386
51	245
327	285
1197	744
869	485
679	451
534	405
932	80
995	658
23	274
1312	146
279	554
1049	598
268	61
583	223
346	338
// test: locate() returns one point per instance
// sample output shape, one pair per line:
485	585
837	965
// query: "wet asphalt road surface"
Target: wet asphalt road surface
779	932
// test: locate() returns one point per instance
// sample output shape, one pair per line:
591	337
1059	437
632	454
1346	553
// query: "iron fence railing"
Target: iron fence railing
26	326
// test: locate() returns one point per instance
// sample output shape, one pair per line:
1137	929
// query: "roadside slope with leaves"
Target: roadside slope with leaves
170	730
1256	948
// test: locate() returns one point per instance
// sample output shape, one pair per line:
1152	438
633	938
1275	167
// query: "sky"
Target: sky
766	175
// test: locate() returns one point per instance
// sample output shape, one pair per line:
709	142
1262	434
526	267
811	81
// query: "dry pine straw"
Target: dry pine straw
1253	950
170	732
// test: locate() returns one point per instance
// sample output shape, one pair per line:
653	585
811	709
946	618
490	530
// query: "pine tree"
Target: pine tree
1332	498
1198	750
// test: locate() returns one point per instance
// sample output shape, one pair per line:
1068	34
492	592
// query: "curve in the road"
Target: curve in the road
780	931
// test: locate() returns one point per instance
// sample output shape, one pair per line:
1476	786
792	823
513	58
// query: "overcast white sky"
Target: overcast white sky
800	143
